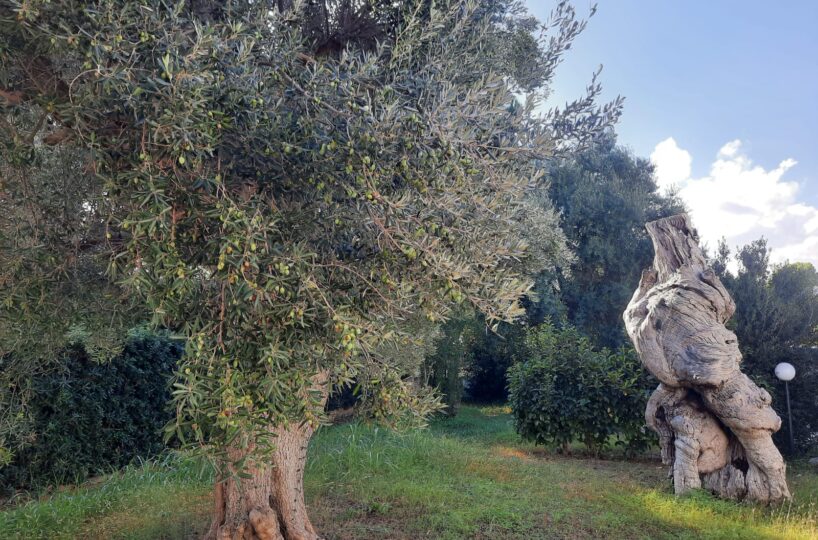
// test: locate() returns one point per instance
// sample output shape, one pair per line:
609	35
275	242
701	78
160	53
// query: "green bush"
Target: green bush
88	417
566	390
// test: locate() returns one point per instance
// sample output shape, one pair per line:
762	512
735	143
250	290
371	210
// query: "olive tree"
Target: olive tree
285	212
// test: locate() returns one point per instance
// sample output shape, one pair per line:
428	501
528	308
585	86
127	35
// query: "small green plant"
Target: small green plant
380	508
566	390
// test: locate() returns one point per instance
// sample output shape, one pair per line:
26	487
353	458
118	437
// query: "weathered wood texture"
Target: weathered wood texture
269	503
715	425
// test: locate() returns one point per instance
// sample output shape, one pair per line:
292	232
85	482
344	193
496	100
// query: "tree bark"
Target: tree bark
715	425
269	505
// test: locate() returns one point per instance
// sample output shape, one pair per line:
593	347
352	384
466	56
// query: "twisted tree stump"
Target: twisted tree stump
715	425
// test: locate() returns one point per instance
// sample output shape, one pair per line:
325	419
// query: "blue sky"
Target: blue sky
723	96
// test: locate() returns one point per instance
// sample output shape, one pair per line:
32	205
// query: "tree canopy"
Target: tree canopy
284	211
605	196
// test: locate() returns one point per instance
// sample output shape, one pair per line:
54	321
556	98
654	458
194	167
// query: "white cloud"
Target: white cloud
730	149
742	201
672	163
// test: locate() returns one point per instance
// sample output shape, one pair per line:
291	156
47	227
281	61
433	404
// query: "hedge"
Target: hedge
89	417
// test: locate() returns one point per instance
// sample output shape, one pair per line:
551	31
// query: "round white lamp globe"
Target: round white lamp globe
785	371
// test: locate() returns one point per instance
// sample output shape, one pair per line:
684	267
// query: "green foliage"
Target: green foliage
565	390
511	47
490	357
444	366
284	211
53	288
776	320
605	196
88	417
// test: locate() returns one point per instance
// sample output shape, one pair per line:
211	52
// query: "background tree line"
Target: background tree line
605	195
776	320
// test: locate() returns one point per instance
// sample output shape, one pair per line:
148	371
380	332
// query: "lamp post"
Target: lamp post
786	372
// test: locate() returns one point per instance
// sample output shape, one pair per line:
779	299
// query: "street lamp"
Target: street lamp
786	372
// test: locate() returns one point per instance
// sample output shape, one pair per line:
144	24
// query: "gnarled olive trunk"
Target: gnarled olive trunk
715	425
269	505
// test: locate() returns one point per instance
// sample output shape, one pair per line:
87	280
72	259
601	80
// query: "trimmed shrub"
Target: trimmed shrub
565	390
89	417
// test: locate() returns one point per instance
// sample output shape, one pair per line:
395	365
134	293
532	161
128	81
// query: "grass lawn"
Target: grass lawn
466	477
